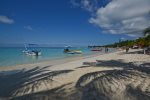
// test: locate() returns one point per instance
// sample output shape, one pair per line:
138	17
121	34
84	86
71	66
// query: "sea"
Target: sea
12	56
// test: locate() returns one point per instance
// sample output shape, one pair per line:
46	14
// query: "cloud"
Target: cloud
121	16
74	3
6	20
28	28
88	5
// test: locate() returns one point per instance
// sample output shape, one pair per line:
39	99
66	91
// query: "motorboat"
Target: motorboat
31	52
74	52
66	50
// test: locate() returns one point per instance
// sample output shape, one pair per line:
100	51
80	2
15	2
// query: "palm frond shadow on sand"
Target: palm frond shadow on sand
132	52
130	83
106	63
26	81
58	93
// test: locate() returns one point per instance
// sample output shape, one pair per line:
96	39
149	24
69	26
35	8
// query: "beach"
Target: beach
75	50
100	76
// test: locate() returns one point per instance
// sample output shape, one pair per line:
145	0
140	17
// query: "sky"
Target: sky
72	22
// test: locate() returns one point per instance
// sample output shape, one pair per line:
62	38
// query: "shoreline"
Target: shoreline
47	77
22	59
52	62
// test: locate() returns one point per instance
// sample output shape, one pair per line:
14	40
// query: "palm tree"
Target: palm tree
147	31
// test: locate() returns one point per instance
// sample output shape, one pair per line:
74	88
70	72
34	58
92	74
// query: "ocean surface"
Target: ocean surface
11	56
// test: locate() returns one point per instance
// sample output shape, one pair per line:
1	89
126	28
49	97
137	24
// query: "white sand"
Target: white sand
74	65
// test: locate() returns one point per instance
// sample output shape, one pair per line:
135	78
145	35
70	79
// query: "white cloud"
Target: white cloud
6	20
88	5
28	28
123	16
74	3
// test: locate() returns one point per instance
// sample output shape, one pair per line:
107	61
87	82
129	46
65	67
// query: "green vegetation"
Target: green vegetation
141	42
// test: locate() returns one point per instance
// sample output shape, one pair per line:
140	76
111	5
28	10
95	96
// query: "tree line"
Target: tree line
140	42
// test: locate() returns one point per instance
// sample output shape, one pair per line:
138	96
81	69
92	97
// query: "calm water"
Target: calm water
10	56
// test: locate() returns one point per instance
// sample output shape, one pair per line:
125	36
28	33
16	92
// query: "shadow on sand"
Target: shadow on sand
130	83
145	68
58	93
106	63
25	81
133	52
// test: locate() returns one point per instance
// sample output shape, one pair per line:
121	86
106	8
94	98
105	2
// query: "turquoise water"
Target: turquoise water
10	56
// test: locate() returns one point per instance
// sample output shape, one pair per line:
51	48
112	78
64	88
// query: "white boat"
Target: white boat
31	52
66	50
74	52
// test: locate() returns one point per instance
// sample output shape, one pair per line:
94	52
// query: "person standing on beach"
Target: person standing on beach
127	49
106	49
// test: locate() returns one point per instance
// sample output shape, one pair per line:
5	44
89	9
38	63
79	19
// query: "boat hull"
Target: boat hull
74	52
